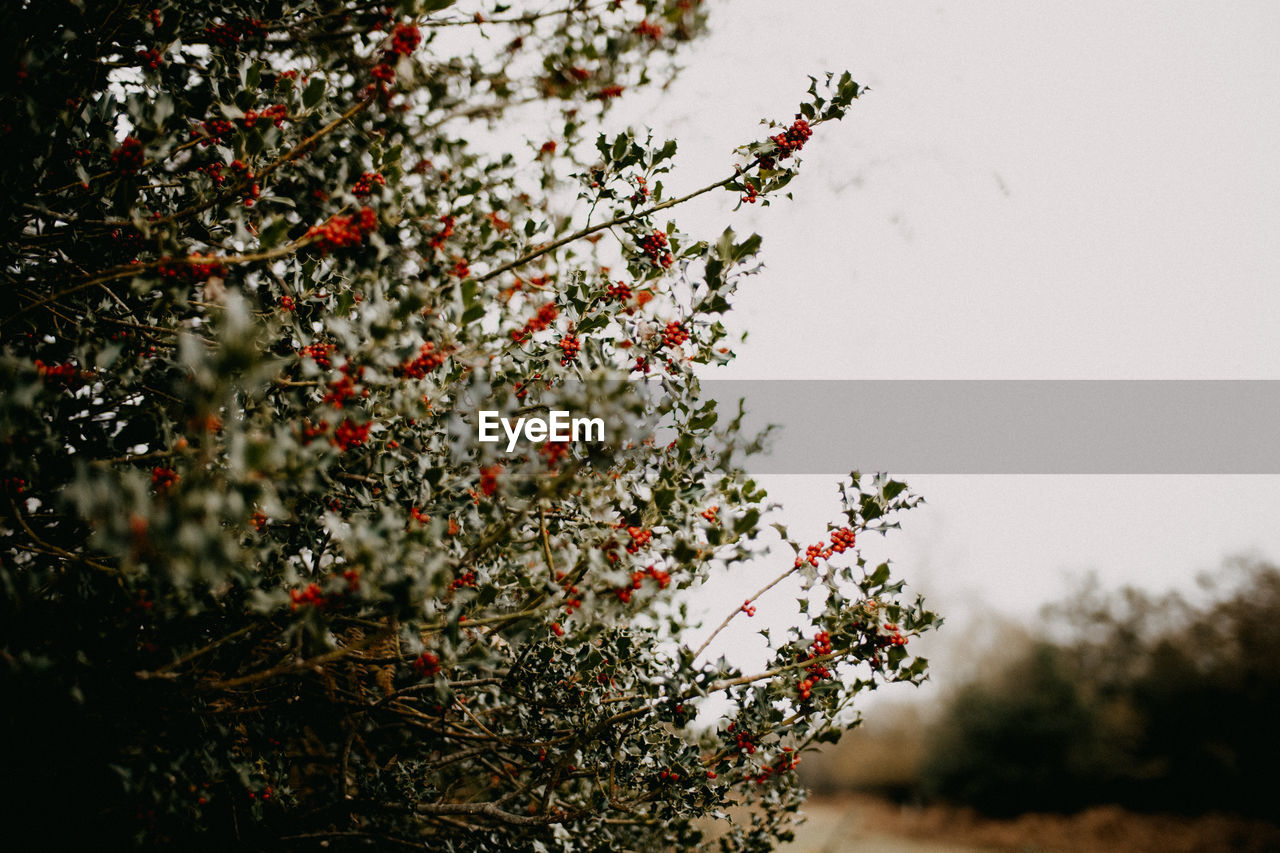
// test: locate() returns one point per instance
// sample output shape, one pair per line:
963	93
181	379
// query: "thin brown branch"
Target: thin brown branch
779	579
490	810
166	671
129	270
480	20
54	550
592	229
298	666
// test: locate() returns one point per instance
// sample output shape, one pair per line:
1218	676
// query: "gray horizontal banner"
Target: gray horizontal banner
1011	426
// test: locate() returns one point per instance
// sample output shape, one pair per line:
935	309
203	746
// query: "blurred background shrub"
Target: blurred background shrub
1158	703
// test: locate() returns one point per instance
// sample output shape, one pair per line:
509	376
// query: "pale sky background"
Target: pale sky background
1029	191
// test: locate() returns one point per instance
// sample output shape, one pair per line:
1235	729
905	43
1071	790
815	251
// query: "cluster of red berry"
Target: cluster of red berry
745	740
252	189
748	608
437	240
674	334
252	28
553	451
654	246
649	30
546	315
461	268
639	539
788	142
609	92
892	637
405	39
841	541
128	158
222	35
364	185
428	359
489	479
821	646
419	516
213	130
287	303
641	195
788	760
320	353
663	579
67	372
623	293
752	194
350	434
230	34
711	514
151	58
572	597
467	578
344	388
311	595
569	347
191	269
426	665
163	478
276	114
311	431
214	171
880	636
341	230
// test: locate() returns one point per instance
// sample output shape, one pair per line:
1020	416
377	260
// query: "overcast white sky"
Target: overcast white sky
1031	190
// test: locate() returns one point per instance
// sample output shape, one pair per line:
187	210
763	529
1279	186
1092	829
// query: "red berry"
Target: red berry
128	158
654	246
569	346
405	39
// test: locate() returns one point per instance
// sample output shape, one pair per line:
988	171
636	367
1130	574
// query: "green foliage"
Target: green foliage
1153	703
261	585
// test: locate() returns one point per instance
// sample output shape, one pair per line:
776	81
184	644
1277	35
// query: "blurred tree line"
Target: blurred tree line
1159	703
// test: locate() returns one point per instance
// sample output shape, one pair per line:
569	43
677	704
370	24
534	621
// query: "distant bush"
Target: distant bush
1154	703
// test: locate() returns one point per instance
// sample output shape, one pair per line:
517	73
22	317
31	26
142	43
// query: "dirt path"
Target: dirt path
839	826
863	823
